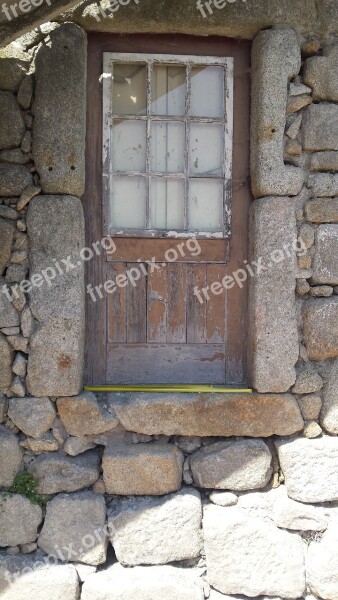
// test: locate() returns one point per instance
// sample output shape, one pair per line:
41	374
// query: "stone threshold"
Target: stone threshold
161	388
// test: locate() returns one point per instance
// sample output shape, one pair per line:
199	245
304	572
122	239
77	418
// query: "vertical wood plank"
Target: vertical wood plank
137	308
196	311
176	290
117	306
157	302
216	306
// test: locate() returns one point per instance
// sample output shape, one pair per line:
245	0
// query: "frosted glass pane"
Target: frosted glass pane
167	204
129	86
206	149
206	205
129	146
167	147
168	90
128	202
207	92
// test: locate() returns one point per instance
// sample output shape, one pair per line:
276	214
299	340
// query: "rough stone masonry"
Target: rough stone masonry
169	496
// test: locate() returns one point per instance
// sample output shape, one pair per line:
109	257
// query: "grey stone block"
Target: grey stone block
321	73
59	128
12	125
141	529
276	58
14	179
10	457
329	412
56	231
320	325
84	415
235	465
59	473
325	265
320	127
322	210
273	334
19	520
76	521
6	359
33	416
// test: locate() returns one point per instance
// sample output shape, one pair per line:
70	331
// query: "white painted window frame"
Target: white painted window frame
109	58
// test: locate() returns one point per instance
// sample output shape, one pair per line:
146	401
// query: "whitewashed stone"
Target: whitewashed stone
223	498
56	230
325	266
21	579
60	104
272	308
312	430
310	468
84	415
142	469
289	514
322	565
232	465
226	415
249	556
33	416
144	583
308	381
320	328
19	520
58	473
320	127
329	412
76	521
10	457
320	72
141	529
276	58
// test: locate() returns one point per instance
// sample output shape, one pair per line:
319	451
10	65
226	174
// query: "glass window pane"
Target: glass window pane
167	204
207	92
128	202
129	85
206	148
205	205
129	146
168	90
167	147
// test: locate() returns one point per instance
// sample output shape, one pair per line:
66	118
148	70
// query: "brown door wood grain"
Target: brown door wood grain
157	331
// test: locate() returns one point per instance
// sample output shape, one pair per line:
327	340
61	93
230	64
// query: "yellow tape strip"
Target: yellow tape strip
184	389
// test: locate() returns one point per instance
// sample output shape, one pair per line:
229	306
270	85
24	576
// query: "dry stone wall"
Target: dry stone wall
169	496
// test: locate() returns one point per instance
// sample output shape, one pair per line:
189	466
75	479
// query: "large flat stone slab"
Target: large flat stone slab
19	520
142	469
322	565
56	233
157	531
252	415
59	129
310	468
234	465
144	583
246	555
273	334
320	328
76	521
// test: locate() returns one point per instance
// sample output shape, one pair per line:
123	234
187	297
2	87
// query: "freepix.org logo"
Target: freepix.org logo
207	8
24	6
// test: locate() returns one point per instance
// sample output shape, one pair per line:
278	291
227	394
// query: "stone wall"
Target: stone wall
204	496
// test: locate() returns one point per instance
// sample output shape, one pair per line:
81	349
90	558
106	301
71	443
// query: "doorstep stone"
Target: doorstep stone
249	415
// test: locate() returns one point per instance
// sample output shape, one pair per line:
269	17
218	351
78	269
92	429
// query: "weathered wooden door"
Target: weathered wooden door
174	208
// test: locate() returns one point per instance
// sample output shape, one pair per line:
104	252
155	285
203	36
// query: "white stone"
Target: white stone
143	583
76	521
233	465
322	564
19	520
249	556
310	468
296	516
223	498
157	530
21	580
329	412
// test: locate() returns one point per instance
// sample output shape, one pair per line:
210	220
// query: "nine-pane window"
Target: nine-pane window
167	145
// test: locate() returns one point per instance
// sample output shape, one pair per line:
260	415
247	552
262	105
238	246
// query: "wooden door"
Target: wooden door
156	329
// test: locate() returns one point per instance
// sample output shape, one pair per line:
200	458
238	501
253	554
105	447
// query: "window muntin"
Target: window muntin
167	145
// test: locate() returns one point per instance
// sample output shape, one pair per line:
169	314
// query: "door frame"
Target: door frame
96	317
